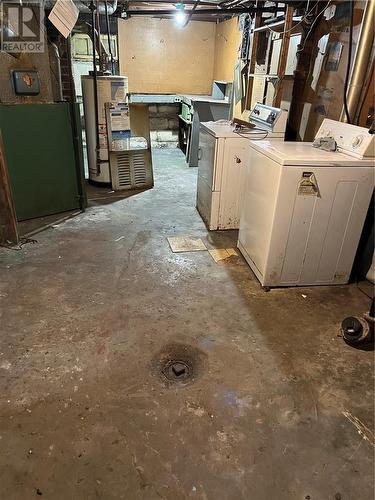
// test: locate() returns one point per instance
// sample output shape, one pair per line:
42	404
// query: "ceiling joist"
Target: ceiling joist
205	9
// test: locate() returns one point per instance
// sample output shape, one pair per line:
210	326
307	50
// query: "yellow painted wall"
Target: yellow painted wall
159	57
227	42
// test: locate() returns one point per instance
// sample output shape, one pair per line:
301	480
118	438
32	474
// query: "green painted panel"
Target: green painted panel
41	154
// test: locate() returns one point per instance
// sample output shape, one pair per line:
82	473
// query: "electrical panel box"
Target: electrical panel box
26	82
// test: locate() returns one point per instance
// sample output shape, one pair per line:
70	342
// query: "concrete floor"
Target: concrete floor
84	313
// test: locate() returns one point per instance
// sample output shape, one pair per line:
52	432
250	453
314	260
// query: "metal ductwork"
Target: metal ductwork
84	6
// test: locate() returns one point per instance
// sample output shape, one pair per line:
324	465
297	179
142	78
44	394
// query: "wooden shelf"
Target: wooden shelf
264	75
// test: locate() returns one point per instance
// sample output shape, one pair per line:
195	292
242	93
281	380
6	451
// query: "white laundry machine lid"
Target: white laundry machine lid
223	128
304	154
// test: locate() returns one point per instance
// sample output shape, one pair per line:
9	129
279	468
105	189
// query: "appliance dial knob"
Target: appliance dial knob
326	132
356	141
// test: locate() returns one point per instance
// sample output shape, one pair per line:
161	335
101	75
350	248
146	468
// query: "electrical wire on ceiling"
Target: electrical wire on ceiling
190	14
302	20
312	25
346	83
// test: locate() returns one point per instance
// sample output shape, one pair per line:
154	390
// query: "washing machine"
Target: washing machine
304	208
223	155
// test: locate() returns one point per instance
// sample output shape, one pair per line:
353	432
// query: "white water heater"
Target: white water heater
112	89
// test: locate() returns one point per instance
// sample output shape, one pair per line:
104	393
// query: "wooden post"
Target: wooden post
253	54
283	55
8	220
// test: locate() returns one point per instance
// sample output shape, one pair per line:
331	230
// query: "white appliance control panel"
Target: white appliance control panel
268	118
351	139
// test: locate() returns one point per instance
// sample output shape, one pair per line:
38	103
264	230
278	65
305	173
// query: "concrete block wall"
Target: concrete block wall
164	125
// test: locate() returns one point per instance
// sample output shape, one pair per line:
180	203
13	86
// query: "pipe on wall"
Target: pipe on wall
109	36
55	65
95	83
101	7
361	60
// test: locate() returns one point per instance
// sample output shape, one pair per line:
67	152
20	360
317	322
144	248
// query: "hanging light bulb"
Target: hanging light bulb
180	15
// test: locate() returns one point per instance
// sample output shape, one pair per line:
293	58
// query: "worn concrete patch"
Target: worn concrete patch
219	254
186	244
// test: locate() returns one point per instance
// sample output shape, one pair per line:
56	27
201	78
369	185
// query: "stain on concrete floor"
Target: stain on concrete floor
83	416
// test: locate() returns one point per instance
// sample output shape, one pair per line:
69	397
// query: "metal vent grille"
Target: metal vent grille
131	170
139	168
124	170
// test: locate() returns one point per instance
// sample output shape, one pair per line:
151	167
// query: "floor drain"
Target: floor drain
179	364
177	370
